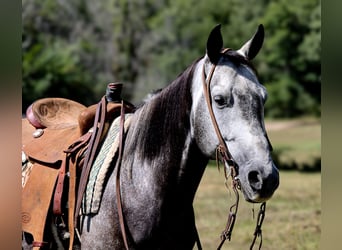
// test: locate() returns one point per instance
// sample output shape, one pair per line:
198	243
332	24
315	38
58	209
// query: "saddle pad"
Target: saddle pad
93	194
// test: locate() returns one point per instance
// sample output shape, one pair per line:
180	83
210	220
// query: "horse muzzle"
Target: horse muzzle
258	186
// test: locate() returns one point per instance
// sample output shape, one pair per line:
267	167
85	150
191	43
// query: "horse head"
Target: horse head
237	101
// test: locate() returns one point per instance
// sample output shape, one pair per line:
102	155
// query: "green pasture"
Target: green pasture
292	215
292	218
296	143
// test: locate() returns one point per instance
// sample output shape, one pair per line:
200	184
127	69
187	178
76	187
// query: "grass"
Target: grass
293	214
296	143
292	218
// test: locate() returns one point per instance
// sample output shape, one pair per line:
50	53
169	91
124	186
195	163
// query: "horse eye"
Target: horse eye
220	100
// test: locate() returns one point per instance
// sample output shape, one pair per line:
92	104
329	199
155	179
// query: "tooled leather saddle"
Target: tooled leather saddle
60	138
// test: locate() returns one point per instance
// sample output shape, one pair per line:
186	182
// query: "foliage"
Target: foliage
74	48
291	58
63	51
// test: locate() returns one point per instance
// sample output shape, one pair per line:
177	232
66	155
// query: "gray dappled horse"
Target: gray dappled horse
169	143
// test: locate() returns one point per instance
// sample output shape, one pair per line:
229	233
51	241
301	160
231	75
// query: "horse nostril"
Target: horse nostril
255	180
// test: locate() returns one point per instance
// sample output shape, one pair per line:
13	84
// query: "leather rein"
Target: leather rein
223	154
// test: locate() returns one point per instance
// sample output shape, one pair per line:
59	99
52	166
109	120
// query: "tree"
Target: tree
178	32
74	48
65	50
287	70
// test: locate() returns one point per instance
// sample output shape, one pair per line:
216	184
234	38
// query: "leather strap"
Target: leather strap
74	157
72	194
38	244
71	203
222	147
57	200
98	127
228	159
118	168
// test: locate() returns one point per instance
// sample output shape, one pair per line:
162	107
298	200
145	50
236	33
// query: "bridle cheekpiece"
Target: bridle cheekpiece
231	168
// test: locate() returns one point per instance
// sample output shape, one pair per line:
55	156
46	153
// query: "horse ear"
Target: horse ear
251	48
214	44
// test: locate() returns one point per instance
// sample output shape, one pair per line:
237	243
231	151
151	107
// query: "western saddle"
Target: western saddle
60	138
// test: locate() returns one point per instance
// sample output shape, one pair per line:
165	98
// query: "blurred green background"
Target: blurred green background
74	48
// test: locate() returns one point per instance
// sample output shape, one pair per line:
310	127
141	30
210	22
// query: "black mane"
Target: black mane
164	121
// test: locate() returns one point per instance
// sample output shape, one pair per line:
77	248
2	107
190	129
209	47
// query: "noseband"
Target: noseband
230	165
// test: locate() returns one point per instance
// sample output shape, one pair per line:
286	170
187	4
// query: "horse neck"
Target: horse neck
161	157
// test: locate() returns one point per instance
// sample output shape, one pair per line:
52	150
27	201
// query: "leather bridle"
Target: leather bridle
222	148
226	157
230	165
